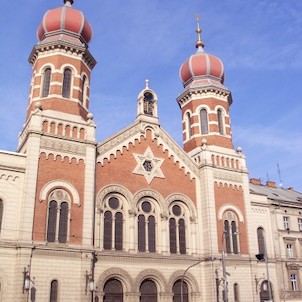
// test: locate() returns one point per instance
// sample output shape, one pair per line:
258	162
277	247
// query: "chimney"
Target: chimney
255	181
271	184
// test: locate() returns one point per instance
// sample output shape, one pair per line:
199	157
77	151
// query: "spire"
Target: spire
199	43
68	2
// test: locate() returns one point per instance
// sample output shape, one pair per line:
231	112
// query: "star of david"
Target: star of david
148	165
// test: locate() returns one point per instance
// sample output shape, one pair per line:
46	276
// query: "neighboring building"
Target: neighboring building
136	217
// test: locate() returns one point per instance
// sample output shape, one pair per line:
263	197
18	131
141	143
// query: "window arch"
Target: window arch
148	291
220	121
58	216
236	292
53	291
204	125
188	125
176	289
148	103
177	228
261	241
46	82
113	224
84	90
66	83
231	233
146	227
113	291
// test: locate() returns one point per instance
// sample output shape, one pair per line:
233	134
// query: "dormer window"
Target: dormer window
148	103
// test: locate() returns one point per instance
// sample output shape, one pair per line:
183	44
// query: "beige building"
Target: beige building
137	217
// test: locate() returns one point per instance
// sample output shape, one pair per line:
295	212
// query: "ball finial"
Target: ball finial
68	2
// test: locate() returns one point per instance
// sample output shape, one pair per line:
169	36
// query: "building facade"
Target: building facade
137	217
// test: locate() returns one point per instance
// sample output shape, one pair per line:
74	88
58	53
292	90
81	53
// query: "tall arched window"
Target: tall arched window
177	229
176	289
84	89
261	242
53	291
66	83
146	227
188	125
204	126
1	213
220	121
113	291
58	211
148	103
236	292
46	82
148	291
113	224
231	233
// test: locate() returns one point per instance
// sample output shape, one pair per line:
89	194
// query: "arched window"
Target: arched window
266	291
231	233
204	126
1	213
113	224
84	89
66	83
220	121
148	291
113	291
176	289
261	242
188	125
58	211
148	103
46	82
146	227
177	229
236	292
53	291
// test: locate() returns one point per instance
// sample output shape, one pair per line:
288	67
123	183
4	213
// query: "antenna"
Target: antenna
279	174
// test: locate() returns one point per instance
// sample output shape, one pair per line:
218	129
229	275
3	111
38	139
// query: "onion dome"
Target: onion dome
65	23
201	67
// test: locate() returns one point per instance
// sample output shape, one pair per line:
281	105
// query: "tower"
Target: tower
58	137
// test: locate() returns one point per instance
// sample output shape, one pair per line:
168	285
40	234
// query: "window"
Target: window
289	250
188	125
261	242
220	121
146	227
231	243
53	291
113	224
84	91
300	224
148	103
176	289
294	282
1	213
113	291
148	291
204	121
46	82
58	213
286	222
236	292
66	83
177	229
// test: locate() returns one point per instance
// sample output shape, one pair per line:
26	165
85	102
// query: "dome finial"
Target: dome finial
68	2
199	42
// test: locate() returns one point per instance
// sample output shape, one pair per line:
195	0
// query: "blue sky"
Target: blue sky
259	42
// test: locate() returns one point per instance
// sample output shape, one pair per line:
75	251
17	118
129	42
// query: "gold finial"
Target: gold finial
199	42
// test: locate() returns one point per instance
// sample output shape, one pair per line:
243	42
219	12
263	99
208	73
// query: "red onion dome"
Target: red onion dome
65	23
202	65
